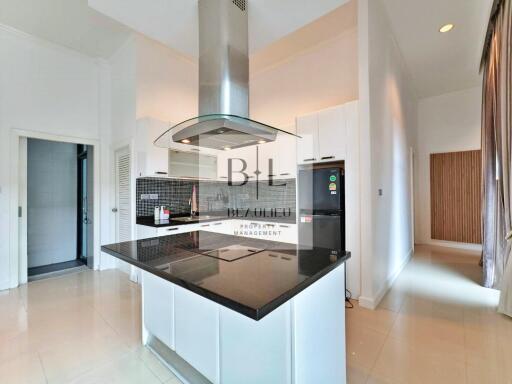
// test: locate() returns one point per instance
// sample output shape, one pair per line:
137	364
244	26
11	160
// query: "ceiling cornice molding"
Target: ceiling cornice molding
44	42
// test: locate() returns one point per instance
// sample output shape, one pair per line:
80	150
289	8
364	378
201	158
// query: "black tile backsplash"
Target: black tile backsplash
213	195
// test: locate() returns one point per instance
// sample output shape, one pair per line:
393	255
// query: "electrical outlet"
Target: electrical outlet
153	196
144	196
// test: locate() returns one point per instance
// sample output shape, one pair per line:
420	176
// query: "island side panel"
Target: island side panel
196	322
158	308
255	352
318	316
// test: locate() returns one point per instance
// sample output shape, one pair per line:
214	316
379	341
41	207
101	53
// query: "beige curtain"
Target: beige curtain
504	144
491	233
497	146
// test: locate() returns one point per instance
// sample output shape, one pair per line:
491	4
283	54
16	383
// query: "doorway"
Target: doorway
59	207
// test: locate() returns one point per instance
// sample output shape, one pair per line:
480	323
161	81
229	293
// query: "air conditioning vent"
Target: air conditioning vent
242	4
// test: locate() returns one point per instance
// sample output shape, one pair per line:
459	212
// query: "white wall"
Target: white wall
167	82
388	127
446	123
320	77
43	88
123	96
52	179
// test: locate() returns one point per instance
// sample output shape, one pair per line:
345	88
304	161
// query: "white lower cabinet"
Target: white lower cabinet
223	227
158	296
146	232
166	231
272	231
283	232
196	322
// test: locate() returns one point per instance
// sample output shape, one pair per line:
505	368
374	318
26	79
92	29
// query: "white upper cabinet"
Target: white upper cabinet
151	160
286	167
324	136
307	145
282	152
332	134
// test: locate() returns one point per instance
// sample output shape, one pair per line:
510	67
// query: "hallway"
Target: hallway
436	325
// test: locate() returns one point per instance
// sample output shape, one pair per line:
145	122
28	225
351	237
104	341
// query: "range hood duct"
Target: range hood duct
223	58
223	83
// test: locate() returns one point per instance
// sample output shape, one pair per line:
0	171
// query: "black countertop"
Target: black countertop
215	216
253	286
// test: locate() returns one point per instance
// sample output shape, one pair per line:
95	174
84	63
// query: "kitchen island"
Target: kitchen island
227	309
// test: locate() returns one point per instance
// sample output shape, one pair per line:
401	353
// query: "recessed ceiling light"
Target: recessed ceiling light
185	141
261	142
446	28
227	148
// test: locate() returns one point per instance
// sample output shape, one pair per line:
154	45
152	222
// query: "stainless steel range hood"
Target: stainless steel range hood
223	83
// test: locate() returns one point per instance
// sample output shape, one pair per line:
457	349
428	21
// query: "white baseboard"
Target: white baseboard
373	302
452	244
5	285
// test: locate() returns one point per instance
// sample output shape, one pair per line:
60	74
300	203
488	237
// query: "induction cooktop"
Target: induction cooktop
232	252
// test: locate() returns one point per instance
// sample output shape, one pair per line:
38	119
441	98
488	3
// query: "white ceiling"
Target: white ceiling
440	63
175	22
330	26
71	23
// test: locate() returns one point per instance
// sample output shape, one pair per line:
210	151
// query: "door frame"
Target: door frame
18	241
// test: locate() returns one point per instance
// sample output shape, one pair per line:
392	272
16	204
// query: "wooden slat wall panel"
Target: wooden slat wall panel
455	201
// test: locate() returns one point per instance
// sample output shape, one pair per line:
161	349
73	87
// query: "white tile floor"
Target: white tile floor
436	325
79	328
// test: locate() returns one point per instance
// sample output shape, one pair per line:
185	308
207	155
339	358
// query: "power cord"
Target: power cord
348	296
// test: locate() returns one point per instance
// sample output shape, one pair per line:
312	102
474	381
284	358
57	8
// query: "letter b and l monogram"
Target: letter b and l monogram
239	166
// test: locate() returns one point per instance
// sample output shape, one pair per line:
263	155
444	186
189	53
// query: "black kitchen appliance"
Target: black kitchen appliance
321	201
322	207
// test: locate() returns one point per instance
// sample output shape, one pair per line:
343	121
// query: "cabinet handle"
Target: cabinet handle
285	174
205	225
284	226
161	173
328	157
172	229
223	177
217	224
312	159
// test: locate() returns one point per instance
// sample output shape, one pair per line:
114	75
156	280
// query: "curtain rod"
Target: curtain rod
496	6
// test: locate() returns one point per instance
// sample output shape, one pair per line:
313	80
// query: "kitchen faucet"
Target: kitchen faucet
192	212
